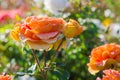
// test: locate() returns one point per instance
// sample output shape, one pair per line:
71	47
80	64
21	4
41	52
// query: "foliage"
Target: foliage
71	63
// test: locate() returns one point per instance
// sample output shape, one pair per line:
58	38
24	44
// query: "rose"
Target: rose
39	33
110	75
104	57
72	29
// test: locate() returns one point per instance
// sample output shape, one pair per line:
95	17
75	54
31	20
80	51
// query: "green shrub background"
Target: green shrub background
17	59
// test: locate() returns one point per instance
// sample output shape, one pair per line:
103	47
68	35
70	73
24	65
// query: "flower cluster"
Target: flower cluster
43	32
110	75
104	57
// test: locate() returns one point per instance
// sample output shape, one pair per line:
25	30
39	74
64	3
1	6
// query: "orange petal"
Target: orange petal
14	35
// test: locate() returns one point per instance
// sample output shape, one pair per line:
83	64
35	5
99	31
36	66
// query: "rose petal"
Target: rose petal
92	71
46	36
38	45
49	41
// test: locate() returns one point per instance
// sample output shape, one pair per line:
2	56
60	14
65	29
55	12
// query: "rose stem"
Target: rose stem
45	71
44	54
56	52
37	60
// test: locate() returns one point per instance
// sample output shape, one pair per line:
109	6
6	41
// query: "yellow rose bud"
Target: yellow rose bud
15	32
72	29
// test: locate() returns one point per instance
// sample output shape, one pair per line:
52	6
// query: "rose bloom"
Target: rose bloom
5	77
104	57
72	29
10	14
39	32
110	75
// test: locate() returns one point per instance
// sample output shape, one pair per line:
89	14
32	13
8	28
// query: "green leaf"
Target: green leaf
61	74
60	64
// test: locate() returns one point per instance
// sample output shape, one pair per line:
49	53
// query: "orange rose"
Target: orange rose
110	75
104	57
39	33
72	29
5	77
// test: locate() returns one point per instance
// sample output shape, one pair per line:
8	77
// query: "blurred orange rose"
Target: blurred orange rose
5	77
104	57
110	75
39	33
72	29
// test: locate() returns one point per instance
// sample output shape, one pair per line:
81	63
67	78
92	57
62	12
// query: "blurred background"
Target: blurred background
100	20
